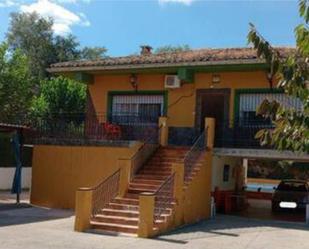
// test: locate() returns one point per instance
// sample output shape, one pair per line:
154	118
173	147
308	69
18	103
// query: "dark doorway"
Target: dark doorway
213	107
212	103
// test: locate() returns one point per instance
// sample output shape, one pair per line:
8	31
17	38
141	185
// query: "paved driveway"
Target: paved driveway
38	228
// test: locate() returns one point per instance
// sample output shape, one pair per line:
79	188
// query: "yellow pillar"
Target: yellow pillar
163	135
210	134
179	170
83	209
125	166
146	212
210	138
208	167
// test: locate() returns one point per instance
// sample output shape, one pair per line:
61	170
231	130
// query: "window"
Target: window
249	102
137	108
226	173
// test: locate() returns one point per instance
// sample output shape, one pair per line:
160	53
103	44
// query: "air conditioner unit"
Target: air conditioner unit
172	81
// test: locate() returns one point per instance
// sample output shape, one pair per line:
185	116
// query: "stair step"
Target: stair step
171	155
157	168
158	165
116	219
169	159
156	162
127	201
132	196
114	227
143	186
140	190
150	177
122	213
147	181
154	173
120	206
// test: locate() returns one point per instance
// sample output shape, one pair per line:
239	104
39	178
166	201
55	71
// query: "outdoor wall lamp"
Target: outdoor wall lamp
216	79
133	81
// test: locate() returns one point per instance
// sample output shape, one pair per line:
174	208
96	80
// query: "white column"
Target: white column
245	166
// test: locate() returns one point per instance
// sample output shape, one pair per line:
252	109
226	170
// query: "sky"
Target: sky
123	25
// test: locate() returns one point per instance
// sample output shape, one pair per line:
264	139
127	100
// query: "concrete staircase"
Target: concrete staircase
121	215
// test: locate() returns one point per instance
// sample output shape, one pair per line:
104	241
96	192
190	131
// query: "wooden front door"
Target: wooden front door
212	103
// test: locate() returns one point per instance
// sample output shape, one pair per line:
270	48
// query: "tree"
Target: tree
93	53
291	127
33	36
15	84
172	49
59	96
65	49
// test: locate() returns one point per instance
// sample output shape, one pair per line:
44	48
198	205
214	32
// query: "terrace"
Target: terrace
124	128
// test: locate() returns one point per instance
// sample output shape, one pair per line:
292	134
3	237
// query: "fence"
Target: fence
104	192
80	127
193	155
164	197
239	133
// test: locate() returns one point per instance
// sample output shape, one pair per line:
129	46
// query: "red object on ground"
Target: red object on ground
259	195
223	200
228	202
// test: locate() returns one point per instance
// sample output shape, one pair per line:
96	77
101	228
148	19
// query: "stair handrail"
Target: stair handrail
164	196
193	155
146	142
104	192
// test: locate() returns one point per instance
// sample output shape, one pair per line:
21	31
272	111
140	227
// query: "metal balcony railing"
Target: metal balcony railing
85	127
239	134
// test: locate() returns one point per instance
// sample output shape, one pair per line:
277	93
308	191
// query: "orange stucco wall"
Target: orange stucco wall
58	171
183	113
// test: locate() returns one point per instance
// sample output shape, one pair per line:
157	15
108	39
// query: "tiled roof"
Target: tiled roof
191	57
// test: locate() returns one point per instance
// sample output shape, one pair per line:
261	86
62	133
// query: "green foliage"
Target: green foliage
33	46
65	49
60	96
33	36
93	53
172	49
277	169
15	83
291	130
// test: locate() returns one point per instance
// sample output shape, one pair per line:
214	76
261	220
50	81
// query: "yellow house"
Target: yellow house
163	131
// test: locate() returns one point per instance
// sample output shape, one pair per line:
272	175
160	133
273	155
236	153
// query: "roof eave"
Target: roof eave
156	66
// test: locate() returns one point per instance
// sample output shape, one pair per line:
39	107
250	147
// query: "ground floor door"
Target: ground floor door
212	103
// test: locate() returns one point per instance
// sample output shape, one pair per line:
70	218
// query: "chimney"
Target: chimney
146	50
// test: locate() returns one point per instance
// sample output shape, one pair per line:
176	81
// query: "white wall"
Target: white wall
7	175
218	163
